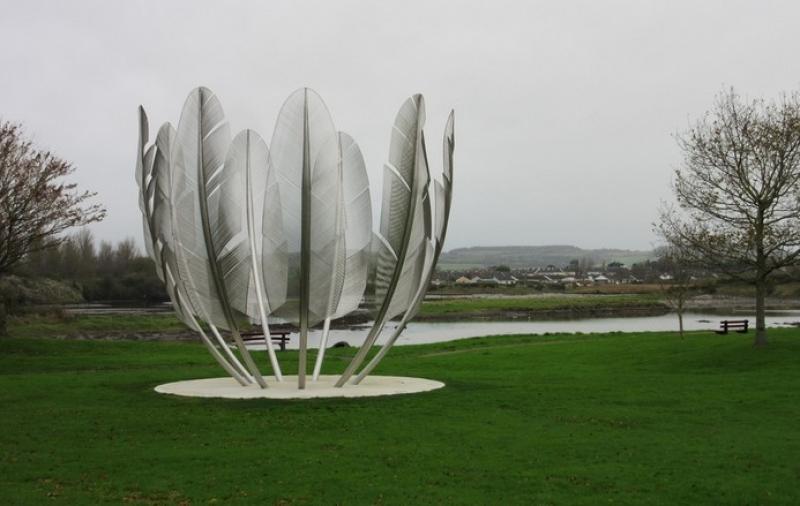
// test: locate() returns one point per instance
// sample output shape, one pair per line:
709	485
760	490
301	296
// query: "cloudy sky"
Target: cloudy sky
565	111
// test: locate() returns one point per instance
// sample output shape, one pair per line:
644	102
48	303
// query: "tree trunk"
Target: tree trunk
2	319
761	327
680	315
761	280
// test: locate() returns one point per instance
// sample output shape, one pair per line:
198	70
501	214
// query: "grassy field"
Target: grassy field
35	325
627	288
567	419
787	290
492	307
44	324
459	290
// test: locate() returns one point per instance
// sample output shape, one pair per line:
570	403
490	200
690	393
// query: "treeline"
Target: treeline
100	272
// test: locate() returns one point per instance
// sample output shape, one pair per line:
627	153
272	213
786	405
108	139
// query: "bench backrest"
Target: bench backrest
733	323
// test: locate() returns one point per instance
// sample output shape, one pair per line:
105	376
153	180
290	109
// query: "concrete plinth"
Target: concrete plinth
228	388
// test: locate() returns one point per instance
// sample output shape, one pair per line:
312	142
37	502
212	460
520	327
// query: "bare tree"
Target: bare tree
739	192
36	205
675	281
105	258
84	240
124	254
70	259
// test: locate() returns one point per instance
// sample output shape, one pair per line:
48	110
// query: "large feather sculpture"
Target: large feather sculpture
444	198
347	241
242	231
303	127
208	226
401	242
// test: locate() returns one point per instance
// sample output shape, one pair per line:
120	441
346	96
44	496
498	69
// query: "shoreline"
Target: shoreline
133	324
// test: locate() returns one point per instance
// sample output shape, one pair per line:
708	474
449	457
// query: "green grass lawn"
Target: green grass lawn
569	419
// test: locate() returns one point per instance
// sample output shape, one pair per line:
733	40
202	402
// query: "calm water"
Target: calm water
423	332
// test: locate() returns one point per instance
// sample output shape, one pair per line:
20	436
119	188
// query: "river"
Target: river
429	332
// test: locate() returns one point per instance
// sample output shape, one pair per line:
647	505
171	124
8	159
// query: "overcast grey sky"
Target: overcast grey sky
564	110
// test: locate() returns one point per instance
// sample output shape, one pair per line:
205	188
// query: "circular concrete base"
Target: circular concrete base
228	388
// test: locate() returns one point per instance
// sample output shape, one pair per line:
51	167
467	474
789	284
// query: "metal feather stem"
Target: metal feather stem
145	182
305	248
444	197
403	186
173	255
341	233
158	220
337	244
303	128
249	157
203	138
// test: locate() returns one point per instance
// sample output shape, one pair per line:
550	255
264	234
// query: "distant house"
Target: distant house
549	275
463	280
505	279
601	280
442	278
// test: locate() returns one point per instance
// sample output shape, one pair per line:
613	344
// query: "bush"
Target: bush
132	286
16	291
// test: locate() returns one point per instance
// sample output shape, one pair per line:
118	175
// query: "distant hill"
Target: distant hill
534	256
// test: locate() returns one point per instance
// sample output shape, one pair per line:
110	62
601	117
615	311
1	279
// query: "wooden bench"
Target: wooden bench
278	336
740	326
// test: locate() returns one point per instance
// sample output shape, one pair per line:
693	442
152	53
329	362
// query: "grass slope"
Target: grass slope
622	418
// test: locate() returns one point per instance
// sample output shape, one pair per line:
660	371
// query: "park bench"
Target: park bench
279	336
739	326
